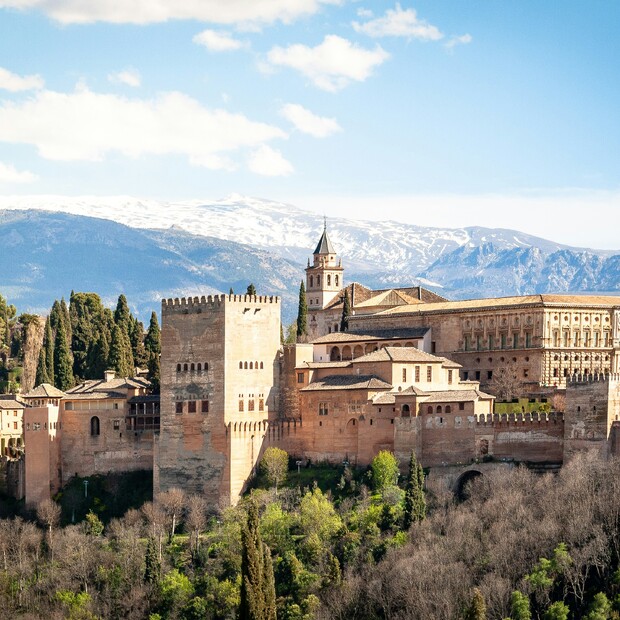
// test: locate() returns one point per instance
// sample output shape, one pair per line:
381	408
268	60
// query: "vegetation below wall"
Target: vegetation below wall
522	546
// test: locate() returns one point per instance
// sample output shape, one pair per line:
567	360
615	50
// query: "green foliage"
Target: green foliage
346	312
121	358
274	465
136	338
75	604
415	501
520	606
152	341
48	344
384	469
477	609
557	611
152	565
93	525
258	597
251	290
302	313
122	316
600	608
318	516
63	362
175	589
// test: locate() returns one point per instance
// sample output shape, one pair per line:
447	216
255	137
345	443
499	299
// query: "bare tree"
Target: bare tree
506	383
172	503
196	520
48	514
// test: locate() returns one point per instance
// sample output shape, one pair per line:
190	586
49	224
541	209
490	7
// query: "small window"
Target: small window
336	280
178	367
429	373
191	406
240	365
94	426
489	374
449	377
251	366
311	281
261	404
251	404
240	405
36	426
448	409
261	365
204	406
300	377
199	367
526	372
329	280
192	367
185	367
206	366
117	425
404	375
245	366
179	406
429	409
438	408
417	374
323	409
461	406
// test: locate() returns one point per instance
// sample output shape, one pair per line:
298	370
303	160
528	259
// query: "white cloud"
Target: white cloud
217	41
9	174
269	162
129	77
307	122
333	64
152	11
85	125
14	83
399	23
453	41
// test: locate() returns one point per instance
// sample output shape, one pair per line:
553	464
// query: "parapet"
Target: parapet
534	418
187	305
578	379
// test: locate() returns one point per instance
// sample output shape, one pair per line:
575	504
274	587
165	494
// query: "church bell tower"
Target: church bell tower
324	278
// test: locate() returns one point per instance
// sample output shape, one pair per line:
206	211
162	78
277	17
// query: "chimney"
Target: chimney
108	375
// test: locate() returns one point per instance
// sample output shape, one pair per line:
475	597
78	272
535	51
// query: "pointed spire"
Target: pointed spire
325	245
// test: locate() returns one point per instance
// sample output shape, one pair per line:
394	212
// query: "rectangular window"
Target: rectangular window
261	404
15	425
515	341
477	375
526	373
478	343
528	339
607	338
204	407
429	373
489	374
461	406
300	377
597	339
565	338
491	342
417	374
251	404
465	375
323	409
566	372
503	340
117	425
191	406
449	377
36	426
68	406
404	375
179	406
555	372
586	336
577	339
556	338
241	405
466	344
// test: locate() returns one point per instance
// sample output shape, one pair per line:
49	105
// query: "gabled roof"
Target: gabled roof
10	404
453	396
99	395
348	382
398	354
389	298
410	333
45	390
100	385
324	245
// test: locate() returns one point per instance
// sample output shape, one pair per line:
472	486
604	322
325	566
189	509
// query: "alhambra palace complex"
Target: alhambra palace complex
410	373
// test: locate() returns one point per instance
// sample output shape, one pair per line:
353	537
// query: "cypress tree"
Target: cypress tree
137	343
152	342
302	313
122	314
152	568
231	292
64	310
121	359
48	344
63	363
346	311
257	581
251	290
41	369
415	502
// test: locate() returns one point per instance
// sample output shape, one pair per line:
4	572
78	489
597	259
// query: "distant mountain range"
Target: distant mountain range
151	249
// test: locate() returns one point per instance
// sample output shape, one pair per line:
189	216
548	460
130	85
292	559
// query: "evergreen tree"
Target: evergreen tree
251	290
152	342
64	310
477	609
153	372
41	376
231	292
415	502
121	314
121	359
302	313
520	606
48	345
63	362
152	568
137	343
257	580
346	312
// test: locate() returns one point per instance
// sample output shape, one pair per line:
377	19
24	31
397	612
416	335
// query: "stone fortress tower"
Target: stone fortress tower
219	385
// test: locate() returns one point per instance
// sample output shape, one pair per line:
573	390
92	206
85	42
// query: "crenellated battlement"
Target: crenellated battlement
197	304
591	378
537	418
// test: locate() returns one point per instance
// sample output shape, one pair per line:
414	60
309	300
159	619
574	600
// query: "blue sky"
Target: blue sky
466	112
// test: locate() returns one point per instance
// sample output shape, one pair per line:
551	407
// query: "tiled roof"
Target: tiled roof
324	245
412	390
10	404
398	354
325	365
374	335
45	390
361	296
391	297
348	382
99	395
100	385
496	302
384	399
453	396
147	398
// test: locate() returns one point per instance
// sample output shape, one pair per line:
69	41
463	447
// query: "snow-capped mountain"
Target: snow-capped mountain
462	262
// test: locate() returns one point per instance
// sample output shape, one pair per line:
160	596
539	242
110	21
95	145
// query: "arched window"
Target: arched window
438	408
192	367
448	409
318	280
178	367
261	365
199	367
185	367
256	365
311	281
429	409
206	366
94	426
240	365
329	280
251	366
406	412
336	280
245	365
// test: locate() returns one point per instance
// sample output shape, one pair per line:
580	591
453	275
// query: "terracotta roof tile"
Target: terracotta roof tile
45	390
348	382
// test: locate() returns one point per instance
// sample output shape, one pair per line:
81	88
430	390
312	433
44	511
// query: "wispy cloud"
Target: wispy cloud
269	162
460	40
9	174
307	122
331	65
218	41
15	83
129	77
85	125
399	23
151	11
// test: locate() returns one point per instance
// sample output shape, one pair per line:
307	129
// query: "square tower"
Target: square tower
219	375
324	278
